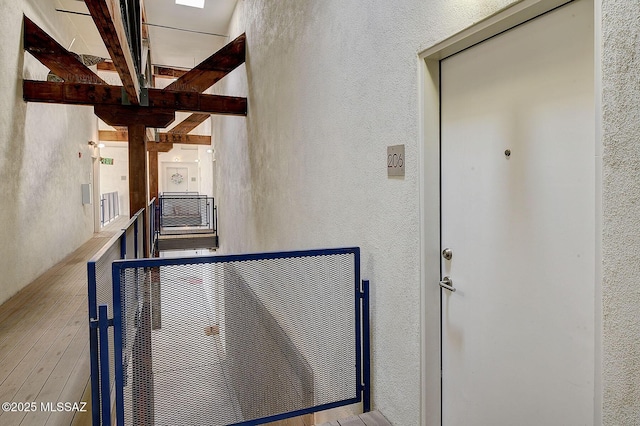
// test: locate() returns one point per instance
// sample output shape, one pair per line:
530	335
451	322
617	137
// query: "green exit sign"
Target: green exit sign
107	161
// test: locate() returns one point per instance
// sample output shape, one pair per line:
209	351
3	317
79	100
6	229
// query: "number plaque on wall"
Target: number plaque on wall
395	160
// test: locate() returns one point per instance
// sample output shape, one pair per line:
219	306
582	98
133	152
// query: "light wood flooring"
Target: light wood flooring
372	418
44	342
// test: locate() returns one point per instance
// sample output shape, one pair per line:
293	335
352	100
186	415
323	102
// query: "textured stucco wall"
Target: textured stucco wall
330	85
42	218
621	212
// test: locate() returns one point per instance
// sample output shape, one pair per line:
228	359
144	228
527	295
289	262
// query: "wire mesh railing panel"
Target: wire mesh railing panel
140	236
226	340
130	235
150	218
184	348
312	300
183	211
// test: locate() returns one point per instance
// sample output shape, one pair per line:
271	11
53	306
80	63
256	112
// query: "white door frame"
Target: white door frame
429	169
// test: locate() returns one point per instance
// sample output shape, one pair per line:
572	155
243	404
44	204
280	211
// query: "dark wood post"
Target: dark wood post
153	175
138	196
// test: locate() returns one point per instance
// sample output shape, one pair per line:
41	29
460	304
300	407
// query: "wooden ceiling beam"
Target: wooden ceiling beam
189	123
107	66
184	139
159	146
151	145
212	69
143	13
158	71
108	19
134	115
59	60
113	135
168	72
120	136
159	100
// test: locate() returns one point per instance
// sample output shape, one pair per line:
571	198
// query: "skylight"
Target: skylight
192	3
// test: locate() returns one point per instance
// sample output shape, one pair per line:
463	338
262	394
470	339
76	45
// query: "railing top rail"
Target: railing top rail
194	260
180	194
115	238
106	247
134	218
184	197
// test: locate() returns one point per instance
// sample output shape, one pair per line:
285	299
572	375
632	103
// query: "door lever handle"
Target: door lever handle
447	283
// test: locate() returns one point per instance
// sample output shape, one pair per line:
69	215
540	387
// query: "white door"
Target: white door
518	214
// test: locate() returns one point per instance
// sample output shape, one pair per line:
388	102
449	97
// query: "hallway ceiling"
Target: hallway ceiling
180	36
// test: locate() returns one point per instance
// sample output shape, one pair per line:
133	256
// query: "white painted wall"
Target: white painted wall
206	167
115	177
330	85
198	162
44	157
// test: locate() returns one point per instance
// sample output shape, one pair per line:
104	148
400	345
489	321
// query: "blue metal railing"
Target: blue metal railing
293	271
128	243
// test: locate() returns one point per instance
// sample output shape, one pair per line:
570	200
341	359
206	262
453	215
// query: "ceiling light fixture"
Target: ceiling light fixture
191	3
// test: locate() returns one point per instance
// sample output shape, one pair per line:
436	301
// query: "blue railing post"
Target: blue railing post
366	349
160	214
95	382
358	322
93	343
135	239
103	328
208	215
123	245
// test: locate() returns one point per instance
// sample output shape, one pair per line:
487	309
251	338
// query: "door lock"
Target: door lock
447	253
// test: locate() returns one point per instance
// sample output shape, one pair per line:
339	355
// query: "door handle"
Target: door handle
447	283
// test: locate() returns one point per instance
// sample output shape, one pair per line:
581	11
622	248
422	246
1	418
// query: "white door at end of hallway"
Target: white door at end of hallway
518	216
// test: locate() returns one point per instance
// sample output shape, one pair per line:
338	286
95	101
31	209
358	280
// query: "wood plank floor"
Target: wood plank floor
372	418
44	342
